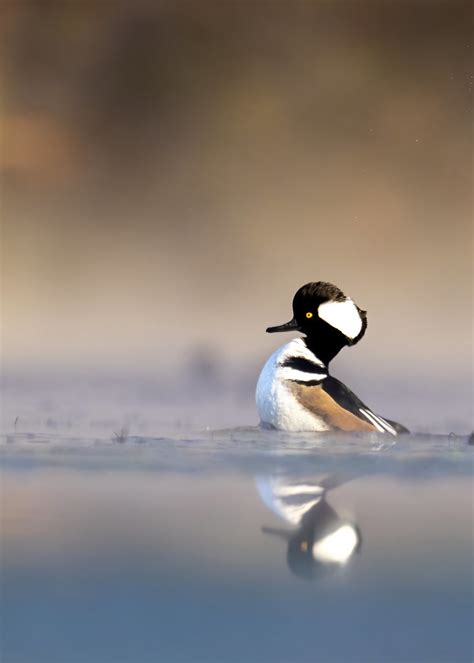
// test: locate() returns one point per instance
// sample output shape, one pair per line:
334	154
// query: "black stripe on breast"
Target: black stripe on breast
303	365
309	383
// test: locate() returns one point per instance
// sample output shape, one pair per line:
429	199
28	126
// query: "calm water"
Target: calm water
237	545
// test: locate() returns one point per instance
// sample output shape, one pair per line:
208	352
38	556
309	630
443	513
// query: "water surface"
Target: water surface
205	548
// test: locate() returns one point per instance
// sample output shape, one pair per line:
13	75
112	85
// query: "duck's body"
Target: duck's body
295	391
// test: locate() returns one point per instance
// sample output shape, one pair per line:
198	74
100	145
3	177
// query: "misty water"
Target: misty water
172	550
185	543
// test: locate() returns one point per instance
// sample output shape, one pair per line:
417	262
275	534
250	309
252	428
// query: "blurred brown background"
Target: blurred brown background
173	171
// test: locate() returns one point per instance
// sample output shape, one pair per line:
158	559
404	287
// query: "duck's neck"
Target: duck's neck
325	346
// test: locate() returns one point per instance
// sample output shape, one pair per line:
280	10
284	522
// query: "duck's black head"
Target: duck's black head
328	318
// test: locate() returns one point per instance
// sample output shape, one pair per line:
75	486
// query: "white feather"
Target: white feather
371	418
385	424
343	316
276	404
288	373
379	423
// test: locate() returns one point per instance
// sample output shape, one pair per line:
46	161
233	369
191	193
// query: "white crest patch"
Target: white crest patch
343	316
336	547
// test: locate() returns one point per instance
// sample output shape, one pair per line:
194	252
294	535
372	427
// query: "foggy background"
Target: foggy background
172	172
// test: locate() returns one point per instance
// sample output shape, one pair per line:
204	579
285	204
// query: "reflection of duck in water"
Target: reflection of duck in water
321	541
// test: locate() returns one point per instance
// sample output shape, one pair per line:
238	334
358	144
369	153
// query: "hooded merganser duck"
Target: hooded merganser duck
295	391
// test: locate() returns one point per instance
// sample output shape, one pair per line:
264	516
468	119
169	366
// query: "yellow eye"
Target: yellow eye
309	314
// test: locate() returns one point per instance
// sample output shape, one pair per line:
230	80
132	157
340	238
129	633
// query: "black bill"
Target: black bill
288	326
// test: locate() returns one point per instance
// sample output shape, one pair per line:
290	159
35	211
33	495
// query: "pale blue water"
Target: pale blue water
161	549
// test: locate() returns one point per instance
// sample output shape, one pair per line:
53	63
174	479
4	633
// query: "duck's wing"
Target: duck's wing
350	402
340	408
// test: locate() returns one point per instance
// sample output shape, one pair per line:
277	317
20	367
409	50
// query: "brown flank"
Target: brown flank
322	405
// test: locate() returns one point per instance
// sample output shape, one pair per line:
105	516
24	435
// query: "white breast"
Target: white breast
276	404
289	499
